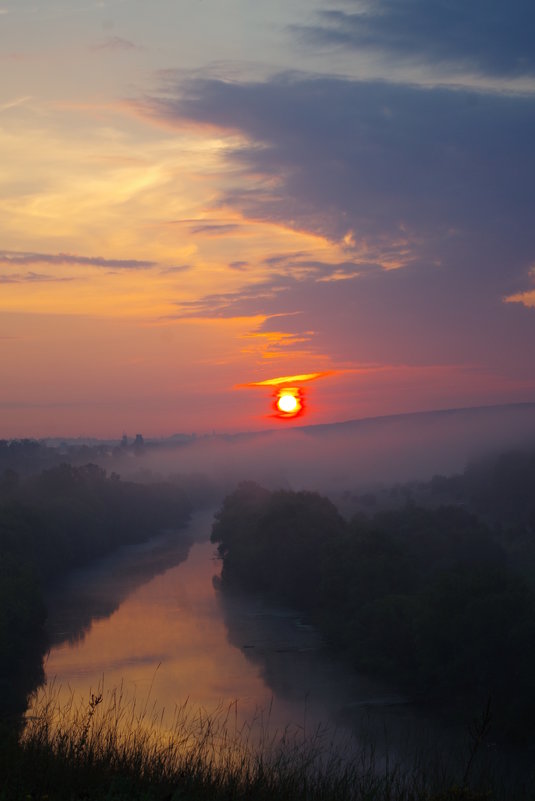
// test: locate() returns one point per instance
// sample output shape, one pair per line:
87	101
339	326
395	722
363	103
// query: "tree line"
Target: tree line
51	523
429	598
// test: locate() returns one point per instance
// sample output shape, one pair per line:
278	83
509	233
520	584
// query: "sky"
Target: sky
200	196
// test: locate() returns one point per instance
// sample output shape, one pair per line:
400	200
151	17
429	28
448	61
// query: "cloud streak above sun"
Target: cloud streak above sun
288	379
309	188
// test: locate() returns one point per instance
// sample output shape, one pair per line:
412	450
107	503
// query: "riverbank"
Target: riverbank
103	749
50	524
424	598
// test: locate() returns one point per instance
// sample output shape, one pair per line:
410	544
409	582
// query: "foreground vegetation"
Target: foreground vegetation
107	749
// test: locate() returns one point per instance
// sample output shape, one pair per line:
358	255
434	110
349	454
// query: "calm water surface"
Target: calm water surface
149	619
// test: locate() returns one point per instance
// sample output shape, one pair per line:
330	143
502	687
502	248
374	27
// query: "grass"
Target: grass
108	748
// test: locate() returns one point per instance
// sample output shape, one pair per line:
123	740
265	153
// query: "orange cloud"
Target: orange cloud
290	379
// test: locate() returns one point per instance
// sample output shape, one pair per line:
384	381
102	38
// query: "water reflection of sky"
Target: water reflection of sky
170	638
168	634
174	638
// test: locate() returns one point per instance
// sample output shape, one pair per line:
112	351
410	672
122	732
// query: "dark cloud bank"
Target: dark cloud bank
438	180
380	159
489	36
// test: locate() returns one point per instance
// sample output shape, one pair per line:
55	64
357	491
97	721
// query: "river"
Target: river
150	620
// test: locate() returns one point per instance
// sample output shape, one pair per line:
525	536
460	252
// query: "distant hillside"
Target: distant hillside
358	452
327	456
525	411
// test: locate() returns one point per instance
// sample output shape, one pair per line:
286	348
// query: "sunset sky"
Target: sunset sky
199	196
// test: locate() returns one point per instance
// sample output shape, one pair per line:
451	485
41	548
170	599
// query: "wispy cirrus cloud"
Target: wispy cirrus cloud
116	43
264	297
216	229
179	268
248	301
22	258
209	227
31	278
410	316
17	101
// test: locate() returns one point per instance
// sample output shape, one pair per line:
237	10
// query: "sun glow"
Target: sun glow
289	402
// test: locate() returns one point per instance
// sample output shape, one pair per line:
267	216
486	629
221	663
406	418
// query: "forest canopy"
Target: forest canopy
428	598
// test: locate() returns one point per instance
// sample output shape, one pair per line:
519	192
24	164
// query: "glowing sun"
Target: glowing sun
289	402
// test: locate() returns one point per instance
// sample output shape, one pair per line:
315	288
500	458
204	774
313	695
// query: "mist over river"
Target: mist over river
151	620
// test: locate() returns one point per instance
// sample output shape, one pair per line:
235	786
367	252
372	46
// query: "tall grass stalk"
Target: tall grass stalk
108	747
